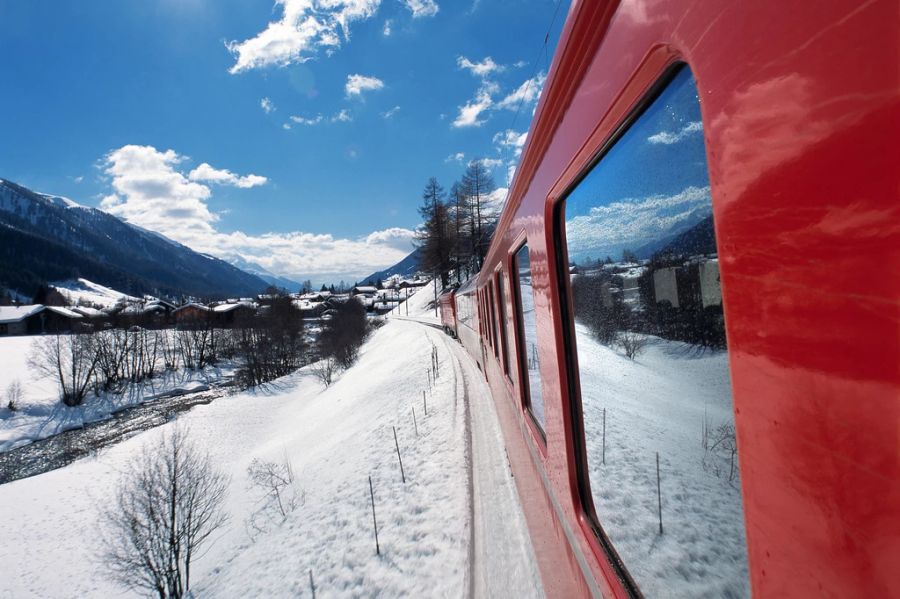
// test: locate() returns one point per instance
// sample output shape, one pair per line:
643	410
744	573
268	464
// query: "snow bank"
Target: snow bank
335	439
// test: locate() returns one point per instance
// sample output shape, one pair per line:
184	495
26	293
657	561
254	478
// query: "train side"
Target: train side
447	302
799	111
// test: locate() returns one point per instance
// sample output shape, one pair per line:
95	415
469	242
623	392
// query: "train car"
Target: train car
688	315
448	311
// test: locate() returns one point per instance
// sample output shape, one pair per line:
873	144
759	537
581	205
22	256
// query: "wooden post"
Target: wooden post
604	436
414	421
399	459
658	494
374	522
312	585
425	403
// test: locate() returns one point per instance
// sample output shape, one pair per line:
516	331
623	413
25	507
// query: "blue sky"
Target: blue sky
297	134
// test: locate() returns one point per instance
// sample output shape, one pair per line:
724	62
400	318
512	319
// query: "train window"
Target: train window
493	309
501	307
528	343
649	331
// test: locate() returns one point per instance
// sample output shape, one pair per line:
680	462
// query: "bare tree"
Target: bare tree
632	343
280	494
324	370
68	359
14	395
167	505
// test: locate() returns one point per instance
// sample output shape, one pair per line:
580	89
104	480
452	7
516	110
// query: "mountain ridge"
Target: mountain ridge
46	238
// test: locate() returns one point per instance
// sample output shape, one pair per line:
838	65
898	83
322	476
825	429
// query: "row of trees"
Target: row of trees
265	346
458	225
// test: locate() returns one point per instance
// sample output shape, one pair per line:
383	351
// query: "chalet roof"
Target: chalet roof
364	289
221	308
11	314
192	305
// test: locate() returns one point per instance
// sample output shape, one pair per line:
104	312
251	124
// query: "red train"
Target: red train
689	316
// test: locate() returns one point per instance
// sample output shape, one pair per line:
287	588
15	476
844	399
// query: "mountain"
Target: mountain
405	268
255	269
49	238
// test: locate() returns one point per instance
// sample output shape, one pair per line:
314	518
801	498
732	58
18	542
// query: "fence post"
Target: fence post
399	459
658	494
374	521
414	421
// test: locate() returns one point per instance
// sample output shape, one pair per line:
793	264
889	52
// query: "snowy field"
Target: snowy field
335	439
41	412
657	403
84	292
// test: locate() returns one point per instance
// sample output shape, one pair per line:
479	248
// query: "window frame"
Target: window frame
501	313
524	382
645	98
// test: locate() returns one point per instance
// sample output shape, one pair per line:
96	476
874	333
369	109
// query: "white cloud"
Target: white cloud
387	114
457	157
305	27
666	138
266	105
300	120
150	189
470	113
79	179
387	28
491	163
150	192
342	117
510	139
480	69
422	8
205	172
525	94
286	126
357	84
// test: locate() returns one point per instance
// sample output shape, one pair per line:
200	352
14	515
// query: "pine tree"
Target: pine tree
434	238
478	184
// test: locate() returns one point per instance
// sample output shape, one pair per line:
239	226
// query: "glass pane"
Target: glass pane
494	333
501	302
528	329
650	336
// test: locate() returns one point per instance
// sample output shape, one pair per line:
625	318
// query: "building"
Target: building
21	320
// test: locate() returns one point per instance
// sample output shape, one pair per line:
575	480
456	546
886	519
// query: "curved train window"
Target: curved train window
493	308
501	311
649	330
528	343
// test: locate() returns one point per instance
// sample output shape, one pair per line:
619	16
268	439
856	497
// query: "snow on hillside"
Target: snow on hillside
82	291
335	438
421	304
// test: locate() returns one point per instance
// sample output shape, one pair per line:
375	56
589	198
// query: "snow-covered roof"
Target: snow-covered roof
10	314
229	307
365	289
88	311
64	311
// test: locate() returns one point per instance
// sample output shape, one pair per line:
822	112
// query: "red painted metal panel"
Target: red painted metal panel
801	112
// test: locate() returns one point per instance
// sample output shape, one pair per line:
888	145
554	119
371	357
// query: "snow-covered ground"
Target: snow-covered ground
335	438
41	414
657	403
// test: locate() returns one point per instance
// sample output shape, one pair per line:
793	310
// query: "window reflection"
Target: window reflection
650	336
528	349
